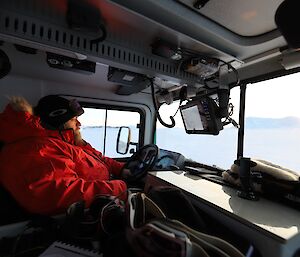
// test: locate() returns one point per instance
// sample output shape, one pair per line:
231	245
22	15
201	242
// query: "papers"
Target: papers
59	249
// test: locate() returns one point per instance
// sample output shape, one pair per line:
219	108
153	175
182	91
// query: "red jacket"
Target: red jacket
44	173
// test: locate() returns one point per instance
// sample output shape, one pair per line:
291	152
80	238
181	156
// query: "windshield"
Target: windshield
272	128
208	149
273	121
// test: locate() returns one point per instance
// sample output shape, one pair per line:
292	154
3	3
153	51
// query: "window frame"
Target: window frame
109	107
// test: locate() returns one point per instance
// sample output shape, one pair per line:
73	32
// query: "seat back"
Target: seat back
10	210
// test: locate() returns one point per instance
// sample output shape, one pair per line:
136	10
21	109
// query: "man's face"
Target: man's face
73	123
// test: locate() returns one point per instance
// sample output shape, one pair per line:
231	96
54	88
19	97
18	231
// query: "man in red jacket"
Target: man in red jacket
45	164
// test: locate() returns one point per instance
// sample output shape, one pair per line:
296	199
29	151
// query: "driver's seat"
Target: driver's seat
10	210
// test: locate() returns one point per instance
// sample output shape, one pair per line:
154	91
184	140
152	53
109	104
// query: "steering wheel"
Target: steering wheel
140	162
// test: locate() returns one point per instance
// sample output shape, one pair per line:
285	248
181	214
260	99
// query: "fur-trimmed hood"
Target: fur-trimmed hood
12	127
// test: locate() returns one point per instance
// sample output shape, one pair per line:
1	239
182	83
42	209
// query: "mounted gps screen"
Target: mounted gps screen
200	117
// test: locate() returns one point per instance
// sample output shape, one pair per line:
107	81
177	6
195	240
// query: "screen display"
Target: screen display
199	117
192	119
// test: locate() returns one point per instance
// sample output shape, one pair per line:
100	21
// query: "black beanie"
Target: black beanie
54	111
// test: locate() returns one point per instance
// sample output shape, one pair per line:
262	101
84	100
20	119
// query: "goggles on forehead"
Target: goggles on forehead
75	107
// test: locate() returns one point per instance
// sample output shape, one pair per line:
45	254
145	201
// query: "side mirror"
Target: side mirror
123	140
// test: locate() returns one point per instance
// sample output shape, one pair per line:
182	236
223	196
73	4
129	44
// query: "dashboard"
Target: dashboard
268	227
168	160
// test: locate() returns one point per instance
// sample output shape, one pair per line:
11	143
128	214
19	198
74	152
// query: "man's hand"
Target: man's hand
20	104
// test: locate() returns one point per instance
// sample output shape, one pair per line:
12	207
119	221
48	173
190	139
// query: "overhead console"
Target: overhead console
117	38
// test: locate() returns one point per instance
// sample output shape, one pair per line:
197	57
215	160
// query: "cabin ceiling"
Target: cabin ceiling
244	18
241	33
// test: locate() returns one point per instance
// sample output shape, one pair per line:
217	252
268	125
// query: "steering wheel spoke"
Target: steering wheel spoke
141	162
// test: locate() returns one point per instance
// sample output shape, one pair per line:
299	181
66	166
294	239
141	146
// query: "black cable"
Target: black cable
177	109
228	119
230	107
157	111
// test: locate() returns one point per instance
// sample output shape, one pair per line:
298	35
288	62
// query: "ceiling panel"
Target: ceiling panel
243	17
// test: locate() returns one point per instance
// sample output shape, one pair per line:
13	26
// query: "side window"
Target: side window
272	124
100	128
